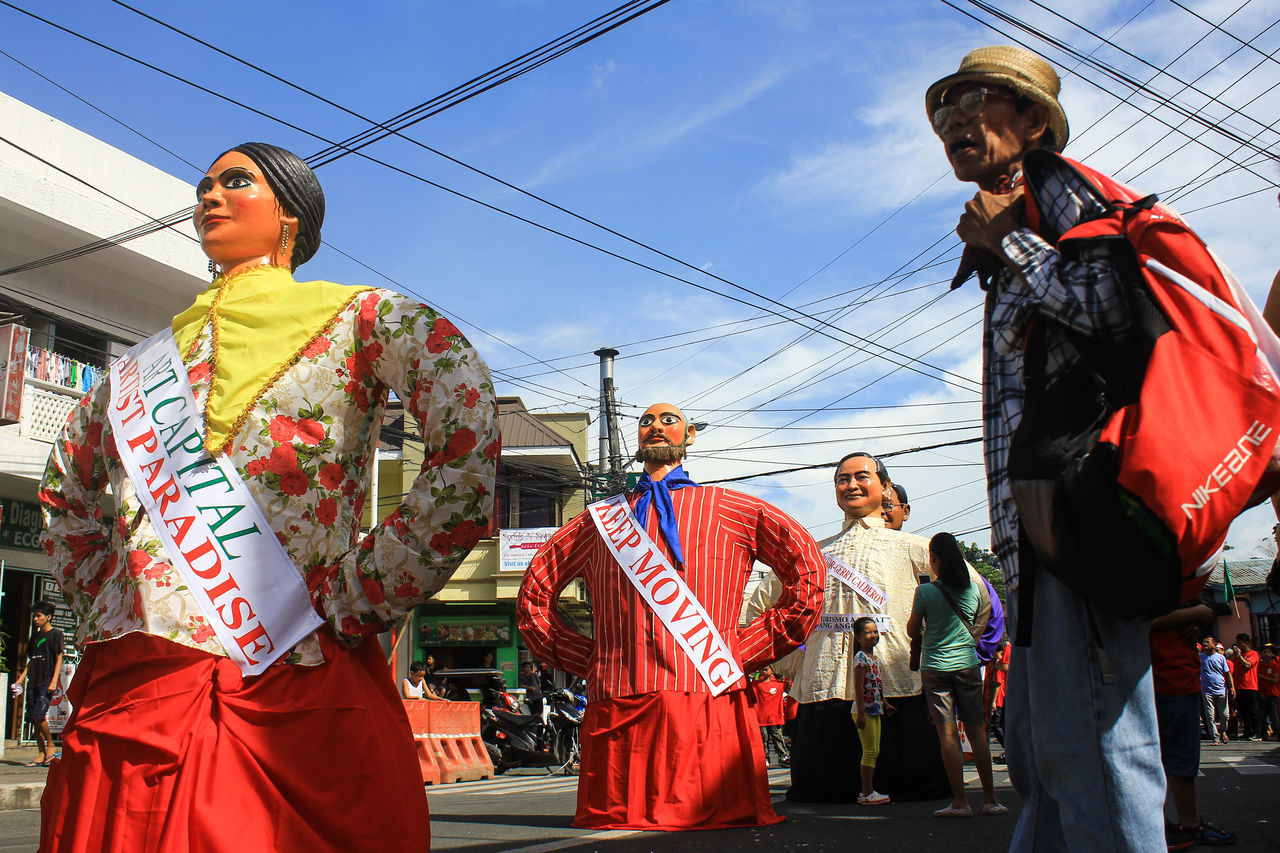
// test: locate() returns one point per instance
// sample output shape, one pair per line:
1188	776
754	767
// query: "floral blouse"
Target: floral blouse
304	450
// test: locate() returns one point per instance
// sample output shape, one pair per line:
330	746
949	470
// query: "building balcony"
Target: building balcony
25	446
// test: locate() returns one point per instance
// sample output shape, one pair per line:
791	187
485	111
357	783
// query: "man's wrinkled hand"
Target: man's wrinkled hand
989	218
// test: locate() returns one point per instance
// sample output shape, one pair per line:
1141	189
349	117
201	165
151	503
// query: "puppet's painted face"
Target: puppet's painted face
859	492
237	216
664	434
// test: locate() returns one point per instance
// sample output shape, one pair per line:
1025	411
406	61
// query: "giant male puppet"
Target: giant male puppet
670	739
872	571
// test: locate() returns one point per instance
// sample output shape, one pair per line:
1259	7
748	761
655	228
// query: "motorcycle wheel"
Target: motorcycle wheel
569	753
495	757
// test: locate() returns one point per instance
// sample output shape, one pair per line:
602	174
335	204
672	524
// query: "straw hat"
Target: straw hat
1018	69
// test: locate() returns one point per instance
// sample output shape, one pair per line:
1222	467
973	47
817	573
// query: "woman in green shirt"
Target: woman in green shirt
950	672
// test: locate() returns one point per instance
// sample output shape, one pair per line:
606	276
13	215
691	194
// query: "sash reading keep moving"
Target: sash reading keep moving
211	528
666	593
863	587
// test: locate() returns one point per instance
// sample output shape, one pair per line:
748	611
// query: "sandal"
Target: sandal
952	811
994	808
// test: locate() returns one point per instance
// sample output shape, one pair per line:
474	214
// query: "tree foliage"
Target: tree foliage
985	562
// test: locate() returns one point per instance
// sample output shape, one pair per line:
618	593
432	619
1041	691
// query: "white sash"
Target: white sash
856	581
666	593
844	622
211	528
863	587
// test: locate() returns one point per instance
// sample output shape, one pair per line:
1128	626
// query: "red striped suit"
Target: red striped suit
646	699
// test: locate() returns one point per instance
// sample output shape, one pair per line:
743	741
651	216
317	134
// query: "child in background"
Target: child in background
870	706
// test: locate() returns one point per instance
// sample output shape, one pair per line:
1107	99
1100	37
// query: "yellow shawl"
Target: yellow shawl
262	321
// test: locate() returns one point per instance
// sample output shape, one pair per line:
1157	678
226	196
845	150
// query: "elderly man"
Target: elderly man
1089	768
670	738
871	571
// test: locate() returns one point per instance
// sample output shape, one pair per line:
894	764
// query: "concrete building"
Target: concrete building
1253	608
61	189
542	483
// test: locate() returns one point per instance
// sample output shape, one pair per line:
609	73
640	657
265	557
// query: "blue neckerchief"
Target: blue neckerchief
659	493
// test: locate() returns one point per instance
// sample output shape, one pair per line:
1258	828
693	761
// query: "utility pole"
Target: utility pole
609	468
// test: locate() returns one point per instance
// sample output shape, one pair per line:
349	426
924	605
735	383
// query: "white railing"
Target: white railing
45	409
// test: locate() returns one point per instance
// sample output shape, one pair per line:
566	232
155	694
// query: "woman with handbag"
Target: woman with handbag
941	622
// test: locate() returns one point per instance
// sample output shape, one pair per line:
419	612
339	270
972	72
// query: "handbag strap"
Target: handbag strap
968	624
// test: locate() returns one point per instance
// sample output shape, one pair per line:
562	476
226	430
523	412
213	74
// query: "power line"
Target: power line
796	468
1113	73
355	143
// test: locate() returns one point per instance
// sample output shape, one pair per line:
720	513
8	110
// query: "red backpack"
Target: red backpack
1130	467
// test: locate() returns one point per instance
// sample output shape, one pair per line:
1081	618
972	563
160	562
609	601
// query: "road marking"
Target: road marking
1246	765
578	841
481	787
780	774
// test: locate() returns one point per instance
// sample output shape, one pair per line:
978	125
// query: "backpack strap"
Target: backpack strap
968	624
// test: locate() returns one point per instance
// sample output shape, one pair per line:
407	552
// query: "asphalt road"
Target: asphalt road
1239	789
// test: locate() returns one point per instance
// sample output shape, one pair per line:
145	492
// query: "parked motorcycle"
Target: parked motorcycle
514	739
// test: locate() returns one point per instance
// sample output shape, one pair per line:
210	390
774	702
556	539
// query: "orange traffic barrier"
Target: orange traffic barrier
419	713
447	735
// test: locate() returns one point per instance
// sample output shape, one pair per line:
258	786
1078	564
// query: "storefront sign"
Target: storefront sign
516	547
20	525
63	619
465	631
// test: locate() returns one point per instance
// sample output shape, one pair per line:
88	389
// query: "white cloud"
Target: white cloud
600	72
625	147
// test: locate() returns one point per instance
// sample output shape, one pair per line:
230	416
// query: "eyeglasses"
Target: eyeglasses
970	104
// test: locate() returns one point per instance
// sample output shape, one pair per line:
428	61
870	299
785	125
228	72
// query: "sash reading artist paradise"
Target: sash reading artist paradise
666	593
211	528
862	586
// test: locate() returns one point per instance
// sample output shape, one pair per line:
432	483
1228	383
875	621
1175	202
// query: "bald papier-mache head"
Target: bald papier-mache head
664	435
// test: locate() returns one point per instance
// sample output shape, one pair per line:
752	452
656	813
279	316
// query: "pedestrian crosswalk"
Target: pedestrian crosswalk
503	785
537	783
1244	764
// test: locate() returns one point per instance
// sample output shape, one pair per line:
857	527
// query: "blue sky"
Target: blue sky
779	144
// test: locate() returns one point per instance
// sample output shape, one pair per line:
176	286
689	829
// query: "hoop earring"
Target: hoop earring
213	270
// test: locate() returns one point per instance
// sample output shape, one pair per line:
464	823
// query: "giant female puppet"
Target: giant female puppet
232	692
670	739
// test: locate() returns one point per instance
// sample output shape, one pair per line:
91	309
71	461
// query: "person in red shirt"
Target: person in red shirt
770	692
1269	687
1245	674
1175	678
996	675
1232	728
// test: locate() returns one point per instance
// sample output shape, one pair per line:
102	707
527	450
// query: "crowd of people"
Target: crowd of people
1240	691
872	646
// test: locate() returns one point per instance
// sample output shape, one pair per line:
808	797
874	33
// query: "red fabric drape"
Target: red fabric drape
673	761
171	750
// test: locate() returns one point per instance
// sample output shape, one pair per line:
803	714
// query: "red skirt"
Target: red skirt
171	750
673	761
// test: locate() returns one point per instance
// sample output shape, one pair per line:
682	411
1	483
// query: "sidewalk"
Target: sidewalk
20	787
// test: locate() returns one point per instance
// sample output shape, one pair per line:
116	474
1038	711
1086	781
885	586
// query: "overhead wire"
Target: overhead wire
1112	73
352	147
1237	110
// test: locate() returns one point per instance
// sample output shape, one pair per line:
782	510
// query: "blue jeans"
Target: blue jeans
1084	754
